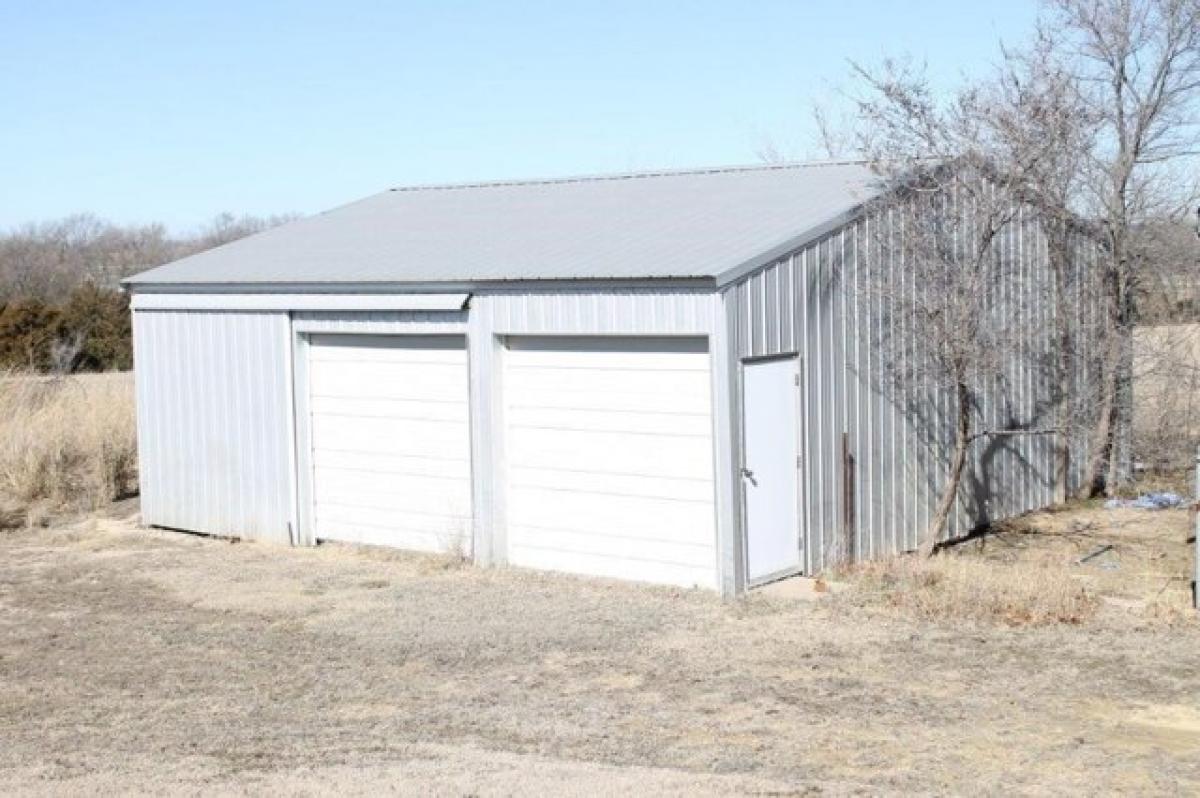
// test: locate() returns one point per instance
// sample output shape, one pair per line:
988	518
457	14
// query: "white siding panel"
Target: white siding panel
213	423
609	454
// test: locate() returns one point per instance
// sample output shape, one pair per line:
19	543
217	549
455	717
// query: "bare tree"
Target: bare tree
226	227
1168	290
1093	123
948	302
48	260
1040	132
1137	63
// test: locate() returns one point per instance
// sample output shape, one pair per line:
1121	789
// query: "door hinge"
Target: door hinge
796	380
797	461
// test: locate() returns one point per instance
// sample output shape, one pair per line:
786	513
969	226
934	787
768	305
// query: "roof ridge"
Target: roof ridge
637	175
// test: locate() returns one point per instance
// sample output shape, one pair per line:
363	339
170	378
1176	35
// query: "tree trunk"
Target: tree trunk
1102	439
1101	452
1120	458
1109	458
958	460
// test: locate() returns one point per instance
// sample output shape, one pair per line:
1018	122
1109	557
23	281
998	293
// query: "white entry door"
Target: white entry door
389	437
609	452
770	472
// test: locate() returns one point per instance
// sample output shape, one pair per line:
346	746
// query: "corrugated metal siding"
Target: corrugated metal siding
214	433
814	302
627	312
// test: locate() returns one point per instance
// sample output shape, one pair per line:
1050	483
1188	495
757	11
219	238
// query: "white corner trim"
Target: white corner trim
252	302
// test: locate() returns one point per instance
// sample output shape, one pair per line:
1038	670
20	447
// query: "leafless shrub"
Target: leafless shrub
1169	288
47	260
1166	390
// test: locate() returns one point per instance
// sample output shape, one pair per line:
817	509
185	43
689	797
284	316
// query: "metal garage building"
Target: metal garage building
650	376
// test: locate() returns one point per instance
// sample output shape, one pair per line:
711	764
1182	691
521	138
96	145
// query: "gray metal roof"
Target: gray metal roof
700	223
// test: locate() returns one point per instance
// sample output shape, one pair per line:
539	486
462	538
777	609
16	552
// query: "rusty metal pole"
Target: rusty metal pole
1196	535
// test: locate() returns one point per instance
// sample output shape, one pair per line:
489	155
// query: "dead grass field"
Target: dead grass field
66	443
136	660
143	661
1166	372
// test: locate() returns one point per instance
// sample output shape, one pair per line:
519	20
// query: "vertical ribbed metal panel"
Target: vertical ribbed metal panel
613	312
214	434
815	302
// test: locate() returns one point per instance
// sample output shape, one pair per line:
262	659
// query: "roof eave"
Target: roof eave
790	246
695	282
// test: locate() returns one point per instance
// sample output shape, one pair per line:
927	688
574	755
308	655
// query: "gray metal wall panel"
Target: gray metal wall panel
815	302
625	312
213	422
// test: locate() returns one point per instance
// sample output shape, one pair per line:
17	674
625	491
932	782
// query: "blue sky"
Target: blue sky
171	111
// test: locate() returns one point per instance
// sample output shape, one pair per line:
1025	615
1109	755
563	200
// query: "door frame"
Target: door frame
801	470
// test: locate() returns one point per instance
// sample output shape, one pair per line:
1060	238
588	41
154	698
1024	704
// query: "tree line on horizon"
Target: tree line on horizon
62	308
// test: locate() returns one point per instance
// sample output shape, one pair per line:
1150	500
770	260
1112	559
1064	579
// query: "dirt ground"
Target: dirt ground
136	660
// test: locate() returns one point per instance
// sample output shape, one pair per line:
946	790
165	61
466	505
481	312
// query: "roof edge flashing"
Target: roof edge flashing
288	302
608	177
790	246
138	288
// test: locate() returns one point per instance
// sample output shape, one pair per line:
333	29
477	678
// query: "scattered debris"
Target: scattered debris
1161	500
1105	548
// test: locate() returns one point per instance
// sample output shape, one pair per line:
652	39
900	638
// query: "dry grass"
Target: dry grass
66	443
143	661
1080	564
955	588
1166	371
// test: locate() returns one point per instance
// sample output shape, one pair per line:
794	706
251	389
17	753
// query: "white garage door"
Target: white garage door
610	458
390	441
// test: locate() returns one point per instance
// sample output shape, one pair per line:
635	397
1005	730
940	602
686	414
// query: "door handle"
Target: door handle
748	474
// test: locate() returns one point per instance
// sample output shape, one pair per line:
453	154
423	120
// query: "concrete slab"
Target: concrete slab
800	588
